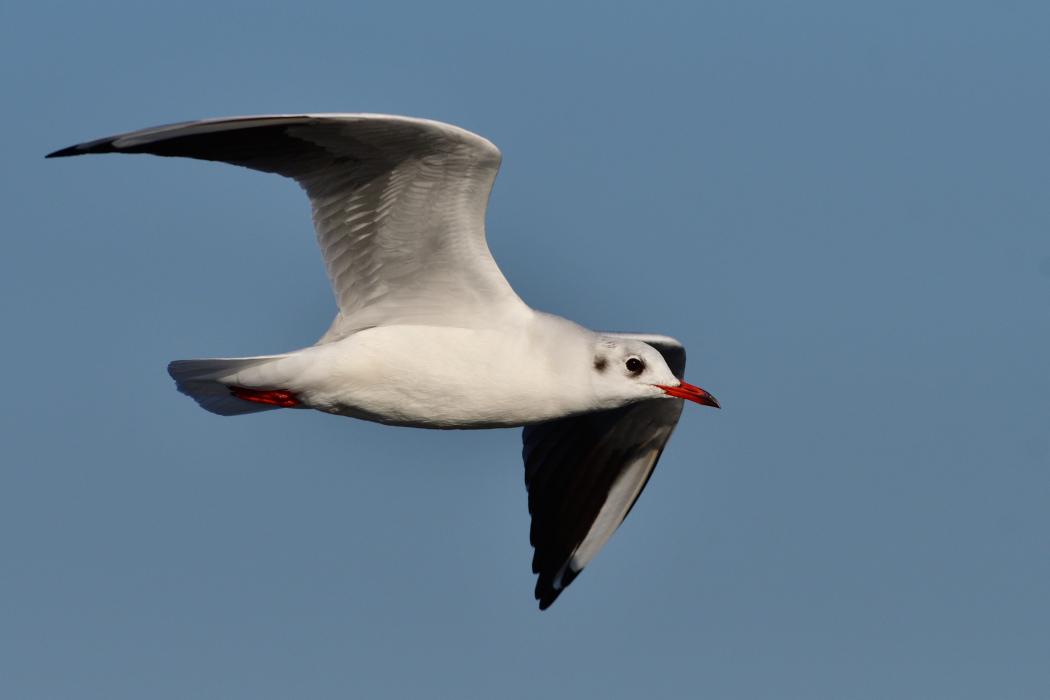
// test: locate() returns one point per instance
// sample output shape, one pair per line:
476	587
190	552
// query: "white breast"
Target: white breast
448	377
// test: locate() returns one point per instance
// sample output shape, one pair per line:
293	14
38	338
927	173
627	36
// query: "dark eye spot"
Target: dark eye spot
599	363
634	365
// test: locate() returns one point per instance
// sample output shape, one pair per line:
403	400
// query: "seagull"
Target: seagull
429	333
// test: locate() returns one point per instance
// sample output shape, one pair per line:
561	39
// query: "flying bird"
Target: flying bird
429	334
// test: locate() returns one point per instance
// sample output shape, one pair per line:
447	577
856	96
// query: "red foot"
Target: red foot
275	397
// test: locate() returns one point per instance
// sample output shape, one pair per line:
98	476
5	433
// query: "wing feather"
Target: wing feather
398	207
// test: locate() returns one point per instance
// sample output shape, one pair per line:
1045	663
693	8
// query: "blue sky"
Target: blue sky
840	208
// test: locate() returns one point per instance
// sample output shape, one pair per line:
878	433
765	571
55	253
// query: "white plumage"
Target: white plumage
429	333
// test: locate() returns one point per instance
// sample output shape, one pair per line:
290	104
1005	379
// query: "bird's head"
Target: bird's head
632	370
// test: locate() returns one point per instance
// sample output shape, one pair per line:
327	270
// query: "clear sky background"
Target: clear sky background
840	208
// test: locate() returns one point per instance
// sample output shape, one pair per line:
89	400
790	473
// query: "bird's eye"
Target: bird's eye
634	365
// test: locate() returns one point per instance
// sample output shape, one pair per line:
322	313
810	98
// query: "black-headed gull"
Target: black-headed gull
429	333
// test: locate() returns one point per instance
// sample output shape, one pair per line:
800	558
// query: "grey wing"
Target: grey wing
584	474
398	206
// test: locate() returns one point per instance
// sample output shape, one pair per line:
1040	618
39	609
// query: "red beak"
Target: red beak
690	393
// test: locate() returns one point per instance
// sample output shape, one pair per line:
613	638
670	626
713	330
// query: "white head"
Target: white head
625	370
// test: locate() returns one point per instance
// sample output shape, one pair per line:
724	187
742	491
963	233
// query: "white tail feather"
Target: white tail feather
205	381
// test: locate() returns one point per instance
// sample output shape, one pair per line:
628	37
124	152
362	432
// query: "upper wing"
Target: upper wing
398	206
584	474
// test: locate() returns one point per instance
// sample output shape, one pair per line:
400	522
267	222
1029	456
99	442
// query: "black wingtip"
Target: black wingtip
548	598
71	151
546	593
101	146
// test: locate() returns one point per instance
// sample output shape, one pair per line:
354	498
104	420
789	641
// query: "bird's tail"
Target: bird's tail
218	384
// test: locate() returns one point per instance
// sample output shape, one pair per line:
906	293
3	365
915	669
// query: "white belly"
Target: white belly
437	377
